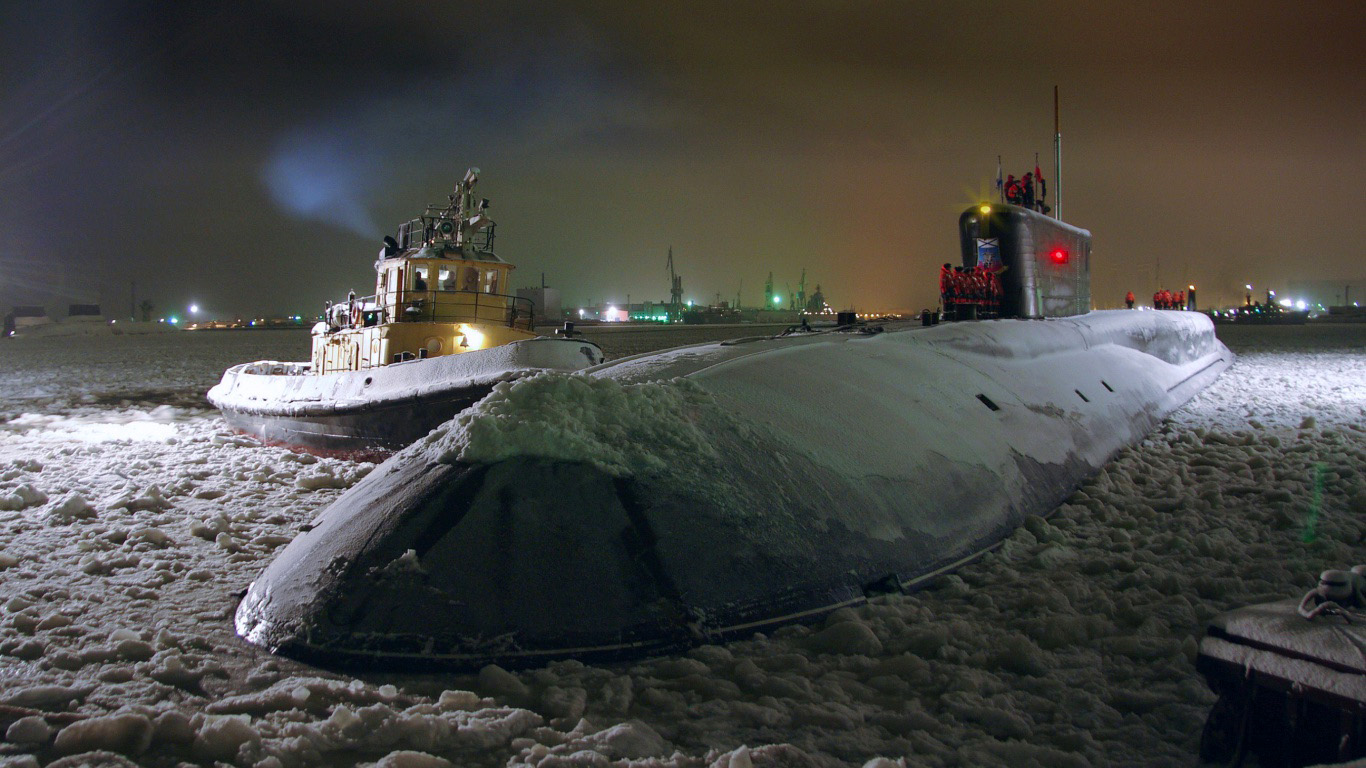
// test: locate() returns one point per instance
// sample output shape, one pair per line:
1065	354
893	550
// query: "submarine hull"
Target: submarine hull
712	491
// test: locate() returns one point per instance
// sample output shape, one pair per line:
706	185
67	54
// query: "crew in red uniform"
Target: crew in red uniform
1014	192
1129	299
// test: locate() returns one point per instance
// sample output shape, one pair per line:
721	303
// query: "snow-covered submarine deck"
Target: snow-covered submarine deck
711	491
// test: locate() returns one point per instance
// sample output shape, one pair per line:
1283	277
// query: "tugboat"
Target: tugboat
435	337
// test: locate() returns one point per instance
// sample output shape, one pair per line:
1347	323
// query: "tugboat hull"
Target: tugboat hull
370	432
717	490
370	414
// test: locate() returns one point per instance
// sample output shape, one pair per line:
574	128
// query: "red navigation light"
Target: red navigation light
1059	256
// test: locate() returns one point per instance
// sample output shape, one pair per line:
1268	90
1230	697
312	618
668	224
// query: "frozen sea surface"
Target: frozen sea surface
131	521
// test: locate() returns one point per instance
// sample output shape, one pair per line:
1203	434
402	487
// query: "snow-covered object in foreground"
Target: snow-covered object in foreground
1291	689
376	411
718	489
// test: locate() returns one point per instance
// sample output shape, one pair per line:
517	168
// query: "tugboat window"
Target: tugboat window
491	281
471	280
419	278
447	279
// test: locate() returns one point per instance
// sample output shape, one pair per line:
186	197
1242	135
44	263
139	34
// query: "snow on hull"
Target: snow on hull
372	413
715	490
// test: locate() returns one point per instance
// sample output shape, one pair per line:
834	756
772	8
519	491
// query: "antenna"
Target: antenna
1038	177
1057	158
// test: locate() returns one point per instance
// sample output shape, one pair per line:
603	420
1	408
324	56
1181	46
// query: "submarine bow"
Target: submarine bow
710	491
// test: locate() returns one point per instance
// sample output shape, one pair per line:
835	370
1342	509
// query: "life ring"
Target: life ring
356	317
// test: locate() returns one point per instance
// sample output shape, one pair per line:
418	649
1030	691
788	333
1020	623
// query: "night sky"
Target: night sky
250	156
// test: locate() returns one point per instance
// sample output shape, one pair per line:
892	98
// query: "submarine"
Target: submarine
711	491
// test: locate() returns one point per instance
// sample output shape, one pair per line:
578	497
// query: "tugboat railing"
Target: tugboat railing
440	307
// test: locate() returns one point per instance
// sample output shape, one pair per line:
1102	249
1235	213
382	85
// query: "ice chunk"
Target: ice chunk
632	740
46	696
174	728
148	535
73	507
123	633
410	759
134	650
23	497
500	682
324	477
151	498
459	700
849	638
314	694
128	734
29	730
221	736
209	529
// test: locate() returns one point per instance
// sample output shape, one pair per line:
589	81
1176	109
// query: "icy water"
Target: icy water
178	368
131	521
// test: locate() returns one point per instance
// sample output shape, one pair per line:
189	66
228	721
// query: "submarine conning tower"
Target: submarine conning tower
1044	264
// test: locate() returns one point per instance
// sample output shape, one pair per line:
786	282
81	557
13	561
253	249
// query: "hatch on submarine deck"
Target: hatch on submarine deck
693	494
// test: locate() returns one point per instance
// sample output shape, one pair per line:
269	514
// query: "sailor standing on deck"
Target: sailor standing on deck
1014	194
1129	299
